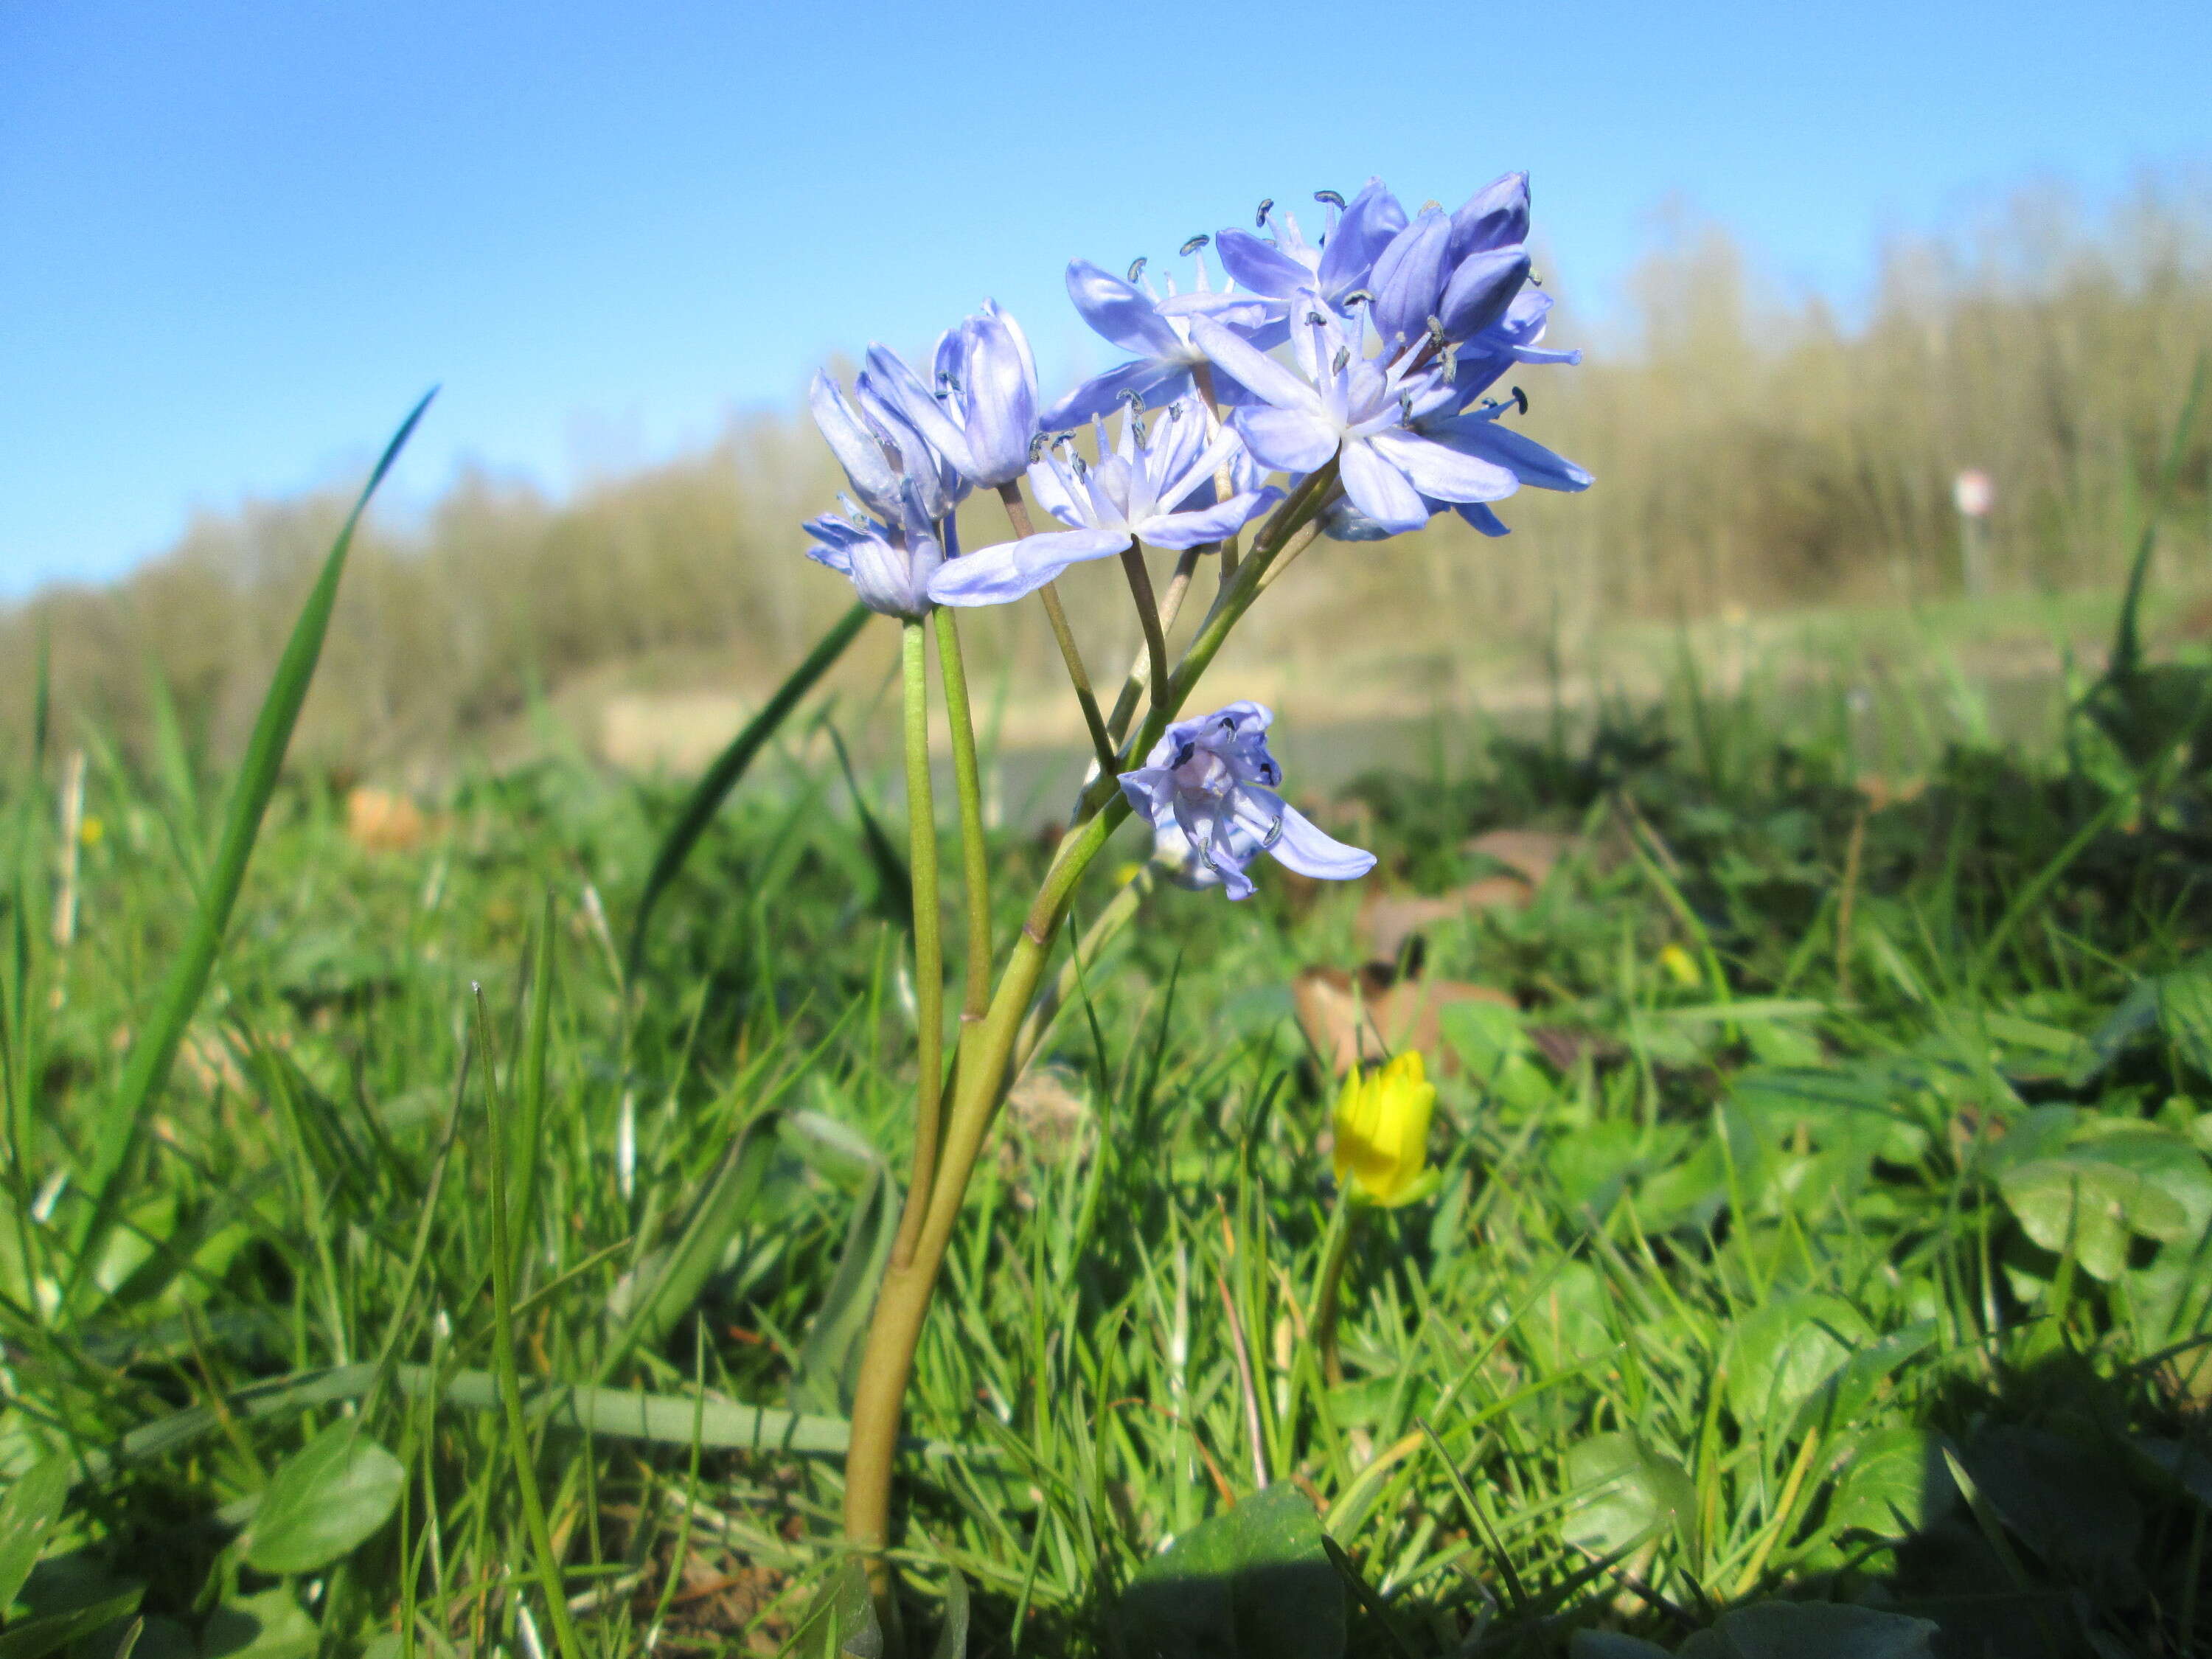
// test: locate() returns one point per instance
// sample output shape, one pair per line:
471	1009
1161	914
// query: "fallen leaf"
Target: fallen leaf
1387	920
1364	1018
1530	854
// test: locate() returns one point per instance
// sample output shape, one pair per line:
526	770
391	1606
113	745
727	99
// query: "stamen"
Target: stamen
1452	359
1358	297
1136	270
1274	835
1435	331
1183	756
1315	320
1329	198
1406	407
1038	444
1343	356
1260	218
1432	205
1194	244
1520	397
951	381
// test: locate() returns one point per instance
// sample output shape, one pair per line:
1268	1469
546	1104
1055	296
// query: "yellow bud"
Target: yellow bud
1125	874
1679	966
90	831
1382	1130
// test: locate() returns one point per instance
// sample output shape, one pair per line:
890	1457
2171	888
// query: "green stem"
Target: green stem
928	946
975	862
503	1366
1148	613
1327	1287
1017	515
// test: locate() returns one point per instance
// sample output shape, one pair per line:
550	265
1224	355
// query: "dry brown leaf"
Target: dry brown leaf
1387	920
1530	854
1364	1018
383	821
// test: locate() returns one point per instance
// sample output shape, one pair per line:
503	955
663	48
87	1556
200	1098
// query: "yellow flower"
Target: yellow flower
1677	963
91	830
1382	1132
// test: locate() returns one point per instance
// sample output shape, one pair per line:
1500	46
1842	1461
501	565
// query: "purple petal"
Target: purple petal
1409	278
899	387
1150	788
1120	312
1254	369
1483	519
1176	531
1481	289
1002	396
1527	459
996	575
1287	439
1154	381
1493	216
873	478
1380	491
1300	844
1445	473
1367	227
1259	265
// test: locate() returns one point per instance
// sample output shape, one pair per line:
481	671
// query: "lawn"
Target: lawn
1818	1245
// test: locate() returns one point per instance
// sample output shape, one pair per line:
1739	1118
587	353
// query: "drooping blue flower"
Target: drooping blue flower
889	565
1208	789
881	451
1141	323
983	411
1340	265
1135	493
1348	406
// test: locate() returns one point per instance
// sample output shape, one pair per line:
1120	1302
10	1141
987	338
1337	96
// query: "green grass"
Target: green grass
1729	1267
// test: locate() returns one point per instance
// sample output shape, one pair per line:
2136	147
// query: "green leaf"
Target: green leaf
1780	1353
2092	1206
272	1625
1612	1645
33	1638
2184	1013
1812	1630
713	787
28	1514
1894	1486
722	1209
1255	1584
1842	1398
843	1617
1626	1492
155	1050
327	1497
829	1361
952	1634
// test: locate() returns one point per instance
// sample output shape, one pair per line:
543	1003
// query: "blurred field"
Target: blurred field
1756	455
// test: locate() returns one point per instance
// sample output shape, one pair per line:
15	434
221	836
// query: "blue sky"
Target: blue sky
237	240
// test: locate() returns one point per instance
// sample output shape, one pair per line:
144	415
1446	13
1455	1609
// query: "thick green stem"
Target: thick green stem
975	862
1327	1287
928	946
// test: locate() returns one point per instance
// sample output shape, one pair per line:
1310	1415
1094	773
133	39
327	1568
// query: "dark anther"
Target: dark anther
1274	835
1329	198
1038	444
1436	330
1535	280
1135	402
1135	272
1406	407
1358	296
1194	244
1270	774
1183	756
1452	359
1260	218
1520	397
1315	320
951	381
1343	356
1229	722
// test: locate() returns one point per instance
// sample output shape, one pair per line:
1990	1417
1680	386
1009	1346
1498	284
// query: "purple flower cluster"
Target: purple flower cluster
1368	351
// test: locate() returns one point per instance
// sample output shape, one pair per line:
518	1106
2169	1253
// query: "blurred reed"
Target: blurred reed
1752	450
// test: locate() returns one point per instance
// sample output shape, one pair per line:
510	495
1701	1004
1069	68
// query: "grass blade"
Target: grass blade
731	765
155	1050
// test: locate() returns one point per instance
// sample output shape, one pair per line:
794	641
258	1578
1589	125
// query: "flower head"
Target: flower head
880	450
982	411
1356	409
1454	275
1337	268
1134	492
1158	332
1381	1126
889	565
1208	791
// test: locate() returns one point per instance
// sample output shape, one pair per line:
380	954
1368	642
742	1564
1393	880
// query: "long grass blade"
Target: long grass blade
156	1051
714	788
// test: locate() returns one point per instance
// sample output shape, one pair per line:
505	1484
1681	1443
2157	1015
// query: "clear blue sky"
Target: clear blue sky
237	240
